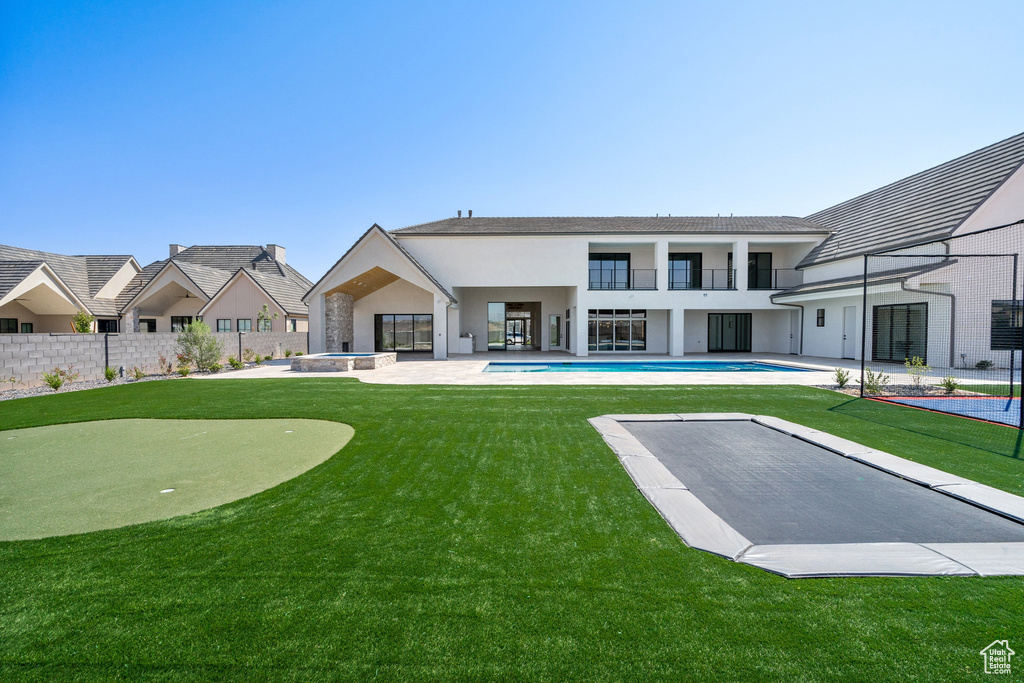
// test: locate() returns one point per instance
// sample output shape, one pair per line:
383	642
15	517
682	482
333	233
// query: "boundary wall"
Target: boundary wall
25	357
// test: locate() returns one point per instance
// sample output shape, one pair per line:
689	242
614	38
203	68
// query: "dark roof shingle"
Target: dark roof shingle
483	225
925	206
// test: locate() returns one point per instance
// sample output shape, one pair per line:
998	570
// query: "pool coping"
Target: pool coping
701	528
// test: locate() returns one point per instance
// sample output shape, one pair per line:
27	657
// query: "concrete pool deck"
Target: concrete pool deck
467	369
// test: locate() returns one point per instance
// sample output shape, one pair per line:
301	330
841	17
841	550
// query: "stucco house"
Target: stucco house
41	291
226	286
653	285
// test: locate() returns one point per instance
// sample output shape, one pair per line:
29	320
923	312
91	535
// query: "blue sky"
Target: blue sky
127	126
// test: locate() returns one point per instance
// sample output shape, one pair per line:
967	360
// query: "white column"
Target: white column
440	328
676	330
661	263
739	263
579	326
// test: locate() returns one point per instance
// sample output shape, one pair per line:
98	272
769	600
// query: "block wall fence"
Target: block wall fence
25	357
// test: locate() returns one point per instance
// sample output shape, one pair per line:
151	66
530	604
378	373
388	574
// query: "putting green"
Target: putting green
73	478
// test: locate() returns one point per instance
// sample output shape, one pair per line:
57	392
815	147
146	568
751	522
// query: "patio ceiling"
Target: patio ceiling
365	284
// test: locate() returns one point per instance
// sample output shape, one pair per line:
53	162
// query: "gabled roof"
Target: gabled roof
394	243
614	225
925	206
210	268
83	276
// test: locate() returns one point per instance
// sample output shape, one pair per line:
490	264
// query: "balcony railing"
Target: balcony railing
774	278
638	278
708	278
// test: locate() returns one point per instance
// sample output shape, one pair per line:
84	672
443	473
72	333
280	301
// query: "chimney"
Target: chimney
276	252
176	249
471	213
460	213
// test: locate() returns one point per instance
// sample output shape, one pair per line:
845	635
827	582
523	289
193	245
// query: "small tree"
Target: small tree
263	319
198	344
82	322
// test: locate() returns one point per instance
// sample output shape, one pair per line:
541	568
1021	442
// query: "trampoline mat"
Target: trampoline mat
989	408
776	489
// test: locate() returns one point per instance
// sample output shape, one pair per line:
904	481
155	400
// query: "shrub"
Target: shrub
58	378
268	358
82	322
248	355
257	359
215	367
287	353
184	370
138	373
841	377
165	365
875	382
950	384
984	364
109	373
184	361
198	345
12	380
235	363
917	369
298	353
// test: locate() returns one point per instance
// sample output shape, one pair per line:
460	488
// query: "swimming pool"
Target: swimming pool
643	366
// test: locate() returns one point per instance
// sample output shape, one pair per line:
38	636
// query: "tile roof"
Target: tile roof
13	272
482	225
83	275
927	205
210	267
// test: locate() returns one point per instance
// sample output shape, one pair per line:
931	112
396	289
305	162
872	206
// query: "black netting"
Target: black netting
943	325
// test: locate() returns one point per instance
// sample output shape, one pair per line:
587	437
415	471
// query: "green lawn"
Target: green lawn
479	533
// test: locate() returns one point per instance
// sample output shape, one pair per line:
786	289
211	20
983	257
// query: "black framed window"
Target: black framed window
109	326
403	332
244	325
821	317
147	325
223	324
8	325
684	271
899	332
180	322
1007	324
26	328
292	325
759	270
617	329
609	271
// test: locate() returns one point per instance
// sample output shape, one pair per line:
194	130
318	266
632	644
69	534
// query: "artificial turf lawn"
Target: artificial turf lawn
480	533
84	476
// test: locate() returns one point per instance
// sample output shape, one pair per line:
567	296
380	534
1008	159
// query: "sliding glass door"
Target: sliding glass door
729	331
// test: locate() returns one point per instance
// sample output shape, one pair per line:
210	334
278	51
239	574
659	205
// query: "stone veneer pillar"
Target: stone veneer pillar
338	321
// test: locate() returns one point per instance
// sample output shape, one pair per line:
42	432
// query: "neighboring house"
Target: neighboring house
226	286
41	291
662	285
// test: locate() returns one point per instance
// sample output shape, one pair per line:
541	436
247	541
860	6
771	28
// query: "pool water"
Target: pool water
643	366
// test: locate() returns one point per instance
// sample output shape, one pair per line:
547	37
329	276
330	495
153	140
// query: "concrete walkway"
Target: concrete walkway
467	369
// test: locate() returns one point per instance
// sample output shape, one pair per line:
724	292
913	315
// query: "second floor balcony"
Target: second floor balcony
622	278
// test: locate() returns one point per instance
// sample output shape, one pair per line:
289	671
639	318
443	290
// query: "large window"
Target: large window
684	271
1007	325
8	325
759	270
263	325
147	325
243	324
617	330
609	271
900	332
223	324
26	328
180	322
106	326
403	332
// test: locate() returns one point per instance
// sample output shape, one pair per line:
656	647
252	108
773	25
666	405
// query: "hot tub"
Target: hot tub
343	362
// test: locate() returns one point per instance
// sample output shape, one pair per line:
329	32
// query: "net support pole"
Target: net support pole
1013	319
863	325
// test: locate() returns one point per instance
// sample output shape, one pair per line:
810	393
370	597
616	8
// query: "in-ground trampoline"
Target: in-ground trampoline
803	503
